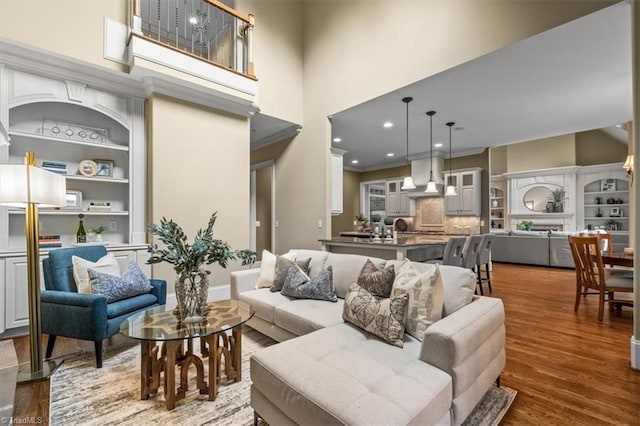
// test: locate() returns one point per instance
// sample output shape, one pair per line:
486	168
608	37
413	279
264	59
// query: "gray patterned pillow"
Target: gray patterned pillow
383	317
300	286
282	268
132	283
375	280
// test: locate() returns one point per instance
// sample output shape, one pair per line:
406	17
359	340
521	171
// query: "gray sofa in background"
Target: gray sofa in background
327	372
540	248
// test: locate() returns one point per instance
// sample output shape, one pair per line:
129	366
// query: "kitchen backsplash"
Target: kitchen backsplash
430	216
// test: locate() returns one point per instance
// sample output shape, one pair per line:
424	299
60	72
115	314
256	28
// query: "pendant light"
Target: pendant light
407	183
431	185
451	190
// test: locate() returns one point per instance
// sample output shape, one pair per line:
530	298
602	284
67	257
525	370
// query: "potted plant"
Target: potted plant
362	222
558	196
526	225
188	260
95	234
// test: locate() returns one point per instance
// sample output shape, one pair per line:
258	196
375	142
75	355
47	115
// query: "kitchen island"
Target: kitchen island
418	248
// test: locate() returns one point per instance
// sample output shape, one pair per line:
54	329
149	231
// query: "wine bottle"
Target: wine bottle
81	235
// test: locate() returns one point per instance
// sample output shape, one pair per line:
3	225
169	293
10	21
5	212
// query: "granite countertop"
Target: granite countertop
404	241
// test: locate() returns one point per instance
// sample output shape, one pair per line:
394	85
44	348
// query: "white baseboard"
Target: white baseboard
635	353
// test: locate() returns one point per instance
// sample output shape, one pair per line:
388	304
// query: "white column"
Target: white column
635	70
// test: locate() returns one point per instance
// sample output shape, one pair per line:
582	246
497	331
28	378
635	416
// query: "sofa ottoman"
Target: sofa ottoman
343	375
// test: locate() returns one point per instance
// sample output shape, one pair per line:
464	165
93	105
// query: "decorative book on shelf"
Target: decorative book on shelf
49	241
54	166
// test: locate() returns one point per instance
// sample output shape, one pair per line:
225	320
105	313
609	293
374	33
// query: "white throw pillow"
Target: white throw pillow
106	264
426	296
268	268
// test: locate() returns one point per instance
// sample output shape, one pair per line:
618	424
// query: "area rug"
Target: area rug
84	395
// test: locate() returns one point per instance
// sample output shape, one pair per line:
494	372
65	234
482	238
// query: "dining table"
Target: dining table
618	259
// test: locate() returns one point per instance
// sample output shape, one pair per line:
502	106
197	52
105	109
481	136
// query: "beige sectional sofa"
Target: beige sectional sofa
326	371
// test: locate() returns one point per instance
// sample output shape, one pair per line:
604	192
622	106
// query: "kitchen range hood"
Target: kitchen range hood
420	171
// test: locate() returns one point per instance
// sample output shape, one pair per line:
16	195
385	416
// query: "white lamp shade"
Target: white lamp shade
431	187
21	184
407	183
451	191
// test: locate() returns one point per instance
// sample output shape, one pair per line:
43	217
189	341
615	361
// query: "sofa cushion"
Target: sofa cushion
343	375
107	264
263	302
268	268
318	259
132	283
283	264
383	317
459	285
377	281
426	296
303	316
298	285
346	269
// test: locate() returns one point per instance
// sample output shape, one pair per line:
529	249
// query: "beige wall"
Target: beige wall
382	174
350	203
278	55
498	160
198	164
71	28
597	147
545	153
477	160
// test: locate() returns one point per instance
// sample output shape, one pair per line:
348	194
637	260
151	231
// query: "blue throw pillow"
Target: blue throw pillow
299	285
132	283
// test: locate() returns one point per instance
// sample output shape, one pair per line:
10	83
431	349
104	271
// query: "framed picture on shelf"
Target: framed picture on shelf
73	200
608	184
88	168
105	168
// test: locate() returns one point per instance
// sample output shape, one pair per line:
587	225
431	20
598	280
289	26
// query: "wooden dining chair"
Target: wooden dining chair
590	273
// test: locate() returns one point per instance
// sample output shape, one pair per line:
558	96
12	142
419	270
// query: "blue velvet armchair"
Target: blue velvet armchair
65	312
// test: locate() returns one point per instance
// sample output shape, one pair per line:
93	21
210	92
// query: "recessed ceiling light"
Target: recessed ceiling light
390	154
193	20
354	161
437	145
337	139
387	125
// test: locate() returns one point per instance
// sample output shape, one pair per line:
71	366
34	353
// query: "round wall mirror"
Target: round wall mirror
536	198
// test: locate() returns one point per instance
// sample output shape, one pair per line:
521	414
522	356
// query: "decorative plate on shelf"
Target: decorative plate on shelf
88	168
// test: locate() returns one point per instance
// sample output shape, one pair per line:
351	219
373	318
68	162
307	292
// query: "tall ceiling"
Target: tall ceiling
572	78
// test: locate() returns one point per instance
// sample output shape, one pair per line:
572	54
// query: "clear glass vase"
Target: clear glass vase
191	293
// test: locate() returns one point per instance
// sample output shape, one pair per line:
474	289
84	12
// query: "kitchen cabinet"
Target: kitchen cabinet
336	181
467	201
398	202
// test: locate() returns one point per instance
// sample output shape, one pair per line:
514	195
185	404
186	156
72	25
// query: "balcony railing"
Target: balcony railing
207	29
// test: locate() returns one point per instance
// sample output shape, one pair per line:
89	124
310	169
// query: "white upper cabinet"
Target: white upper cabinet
467	200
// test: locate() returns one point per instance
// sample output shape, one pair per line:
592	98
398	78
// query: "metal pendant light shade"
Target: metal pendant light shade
407	183
431	185
451	190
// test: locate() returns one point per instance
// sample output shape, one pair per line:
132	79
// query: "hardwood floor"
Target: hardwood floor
568	368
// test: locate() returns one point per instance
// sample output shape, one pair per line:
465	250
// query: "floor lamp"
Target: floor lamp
27	186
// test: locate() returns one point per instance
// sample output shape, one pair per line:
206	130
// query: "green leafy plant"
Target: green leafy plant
526	225
360	217
375	218
189	258
97	230
558	195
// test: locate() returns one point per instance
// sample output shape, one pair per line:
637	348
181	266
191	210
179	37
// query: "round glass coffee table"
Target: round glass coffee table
159	325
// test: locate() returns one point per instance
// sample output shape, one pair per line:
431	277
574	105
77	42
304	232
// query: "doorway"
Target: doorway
263	207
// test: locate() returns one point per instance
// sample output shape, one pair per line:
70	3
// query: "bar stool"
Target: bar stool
452	252
484	257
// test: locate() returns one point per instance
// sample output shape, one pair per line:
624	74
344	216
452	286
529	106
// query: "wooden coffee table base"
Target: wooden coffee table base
171	357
